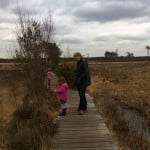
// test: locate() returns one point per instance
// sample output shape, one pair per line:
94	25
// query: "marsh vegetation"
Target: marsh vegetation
121	92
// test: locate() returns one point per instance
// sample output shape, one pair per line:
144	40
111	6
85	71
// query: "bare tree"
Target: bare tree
36	50
36	35
148	49
129	54
34	125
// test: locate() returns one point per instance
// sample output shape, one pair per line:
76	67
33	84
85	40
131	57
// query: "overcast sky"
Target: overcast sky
88	26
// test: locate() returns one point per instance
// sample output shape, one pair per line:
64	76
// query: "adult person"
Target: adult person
82	80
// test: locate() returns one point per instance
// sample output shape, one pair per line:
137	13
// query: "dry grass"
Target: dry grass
123	86
17	130
12	91
126	82
7	66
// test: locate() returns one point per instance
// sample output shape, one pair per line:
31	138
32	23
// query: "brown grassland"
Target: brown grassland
122	95
12	90
126	82
31	125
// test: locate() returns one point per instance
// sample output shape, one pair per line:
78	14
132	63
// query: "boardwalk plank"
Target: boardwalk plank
87	132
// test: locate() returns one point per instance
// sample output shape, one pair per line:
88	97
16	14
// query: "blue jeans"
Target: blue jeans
83	102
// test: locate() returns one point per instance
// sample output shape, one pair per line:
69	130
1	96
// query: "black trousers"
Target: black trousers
83	102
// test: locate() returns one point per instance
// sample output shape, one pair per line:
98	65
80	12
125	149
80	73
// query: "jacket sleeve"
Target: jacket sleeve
60	90
84	71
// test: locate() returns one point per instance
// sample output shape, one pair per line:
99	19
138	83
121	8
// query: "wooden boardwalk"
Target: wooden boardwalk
87	132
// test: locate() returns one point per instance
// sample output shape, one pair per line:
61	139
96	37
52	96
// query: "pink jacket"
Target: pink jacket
62	92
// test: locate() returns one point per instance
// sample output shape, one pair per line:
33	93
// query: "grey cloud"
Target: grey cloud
112	11
7	3
72	41
102	38
63	29
32	12
83	10
10	20
133	38
4	3
10	41
3	28
67	12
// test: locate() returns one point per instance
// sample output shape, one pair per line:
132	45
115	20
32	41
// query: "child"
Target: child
62	94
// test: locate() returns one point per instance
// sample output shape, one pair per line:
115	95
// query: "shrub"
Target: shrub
24	113
53	55
31	127
37	51
67	69
27	139
33	122
3	135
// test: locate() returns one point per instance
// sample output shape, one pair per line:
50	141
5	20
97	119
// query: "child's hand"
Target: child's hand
54	93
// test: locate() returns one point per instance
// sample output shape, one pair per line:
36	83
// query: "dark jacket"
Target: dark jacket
82	75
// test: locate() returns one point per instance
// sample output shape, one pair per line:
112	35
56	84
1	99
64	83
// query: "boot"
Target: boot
63	113
81	112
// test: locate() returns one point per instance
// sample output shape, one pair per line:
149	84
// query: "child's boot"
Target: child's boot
63	113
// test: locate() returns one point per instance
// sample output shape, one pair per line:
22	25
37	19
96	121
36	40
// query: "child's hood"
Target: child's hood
65	85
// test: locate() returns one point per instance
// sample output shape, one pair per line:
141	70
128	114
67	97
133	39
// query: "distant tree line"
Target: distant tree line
129	54
111	54
115	54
